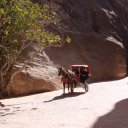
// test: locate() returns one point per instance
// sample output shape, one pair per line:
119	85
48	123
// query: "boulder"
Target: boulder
38	76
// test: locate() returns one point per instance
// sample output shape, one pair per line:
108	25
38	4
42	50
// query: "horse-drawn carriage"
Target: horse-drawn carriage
75	77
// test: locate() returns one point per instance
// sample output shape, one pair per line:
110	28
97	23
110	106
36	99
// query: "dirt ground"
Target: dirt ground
104	106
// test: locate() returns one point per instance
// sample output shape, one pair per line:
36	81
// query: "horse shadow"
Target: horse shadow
1	104
66	95
117	118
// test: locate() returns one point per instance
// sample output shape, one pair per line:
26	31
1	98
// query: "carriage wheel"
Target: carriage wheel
72	90
86	87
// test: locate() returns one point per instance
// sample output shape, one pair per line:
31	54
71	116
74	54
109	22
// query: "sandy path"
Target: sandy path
104	106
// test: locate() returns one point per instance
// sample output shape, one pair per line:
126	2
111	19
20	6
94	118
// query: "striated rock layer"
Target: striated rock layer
38	76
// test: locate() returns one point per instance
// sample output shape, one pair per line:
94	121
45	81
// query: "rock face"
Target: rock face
99	32
39	76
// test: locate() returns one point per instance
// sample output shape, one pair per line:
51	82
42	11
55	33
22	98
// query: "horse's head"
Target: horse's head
60	71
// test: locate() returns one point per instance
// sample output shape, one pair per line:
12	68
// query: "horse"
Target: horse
67	78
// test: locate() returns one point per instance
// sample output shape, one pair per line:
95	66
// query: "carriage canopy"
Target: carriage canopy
80	68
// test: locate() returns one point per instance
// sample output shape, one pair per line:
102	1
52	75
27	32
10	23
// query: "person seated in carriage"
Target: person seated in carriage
82	72
83	75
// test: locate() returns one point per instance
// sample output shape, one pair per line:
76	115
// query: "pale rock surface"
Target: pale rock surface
39	76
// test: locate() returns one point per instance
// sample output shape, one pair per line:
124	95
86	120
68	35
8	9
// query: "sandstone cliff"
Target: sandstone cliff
99	32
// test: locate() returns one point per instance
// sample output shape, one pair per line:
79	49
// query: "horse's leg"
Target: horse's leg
68	86
72	87
75	84
63	88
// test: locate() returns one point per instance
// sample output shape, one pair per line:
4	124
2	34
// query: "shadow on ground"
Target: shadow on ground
1	104
117	118
66	95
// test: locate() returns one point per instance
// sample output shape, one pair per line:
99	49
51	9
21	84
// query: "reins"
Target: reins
66	74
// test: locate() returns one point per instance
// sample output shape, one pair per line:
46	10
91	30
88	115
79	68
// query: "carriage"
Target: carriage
75	77
78	69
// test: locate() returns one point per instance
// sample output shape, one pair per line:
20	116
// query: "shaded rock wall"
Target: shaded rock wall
99	37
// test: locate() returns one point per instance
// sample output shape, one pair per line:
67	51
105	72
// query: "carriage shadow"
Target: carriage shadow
66	95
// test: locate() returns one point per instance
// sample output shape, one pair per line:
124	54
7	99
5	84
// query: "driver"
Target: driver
83	75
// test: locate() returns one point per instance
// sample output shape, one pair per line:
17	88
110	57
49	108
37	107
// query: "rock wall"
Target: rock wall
99	32
99	37
39	76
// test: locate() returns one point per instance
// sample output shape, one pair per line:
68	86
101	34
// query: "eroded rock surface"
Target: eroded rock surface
39	76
